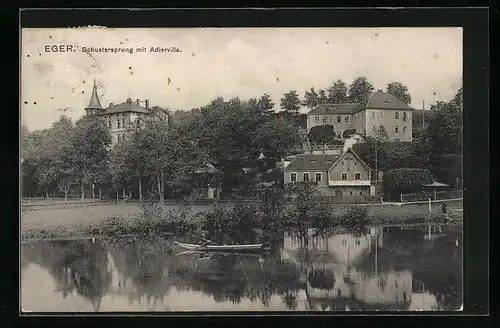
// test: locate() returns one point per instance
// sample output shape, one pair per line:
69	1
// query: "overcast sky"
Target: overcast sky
229	62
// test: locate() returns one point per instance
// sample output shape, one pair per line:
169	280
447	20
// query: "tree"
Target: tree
311	99
337	92
446	140
290	103
277	136
91	141
63	155
359	90
321	134
322	97
266	104
405	180
381	135
400	91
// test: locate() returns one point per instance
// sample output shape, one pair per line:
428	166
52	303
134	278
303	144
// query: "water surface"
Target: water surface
388	269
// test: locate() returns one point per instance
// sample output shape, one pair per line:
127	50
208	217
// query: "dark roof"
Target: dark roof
94	102
332	109
306	162
128	106
384	100
349	150
376	100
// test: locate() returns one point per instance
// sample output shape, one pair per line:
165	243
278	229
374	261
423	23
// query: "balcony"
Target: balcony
349	183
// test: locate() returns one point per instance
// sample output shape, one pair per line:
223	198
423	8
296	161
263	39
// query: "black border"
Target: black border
475	23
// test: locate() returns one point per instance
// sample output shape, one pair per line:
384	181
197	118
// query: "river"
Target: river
414	268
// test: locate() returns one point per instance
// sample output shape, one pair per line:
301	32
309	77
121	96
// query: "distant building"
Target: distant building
120	118
335	175
379	111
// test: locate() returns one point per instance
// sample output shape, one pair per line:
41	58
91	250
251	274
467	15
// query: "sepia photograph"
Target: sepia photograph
241	169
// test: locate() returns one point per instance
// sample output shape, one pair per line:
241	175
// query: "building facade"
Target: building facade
121	118
380	111
335	175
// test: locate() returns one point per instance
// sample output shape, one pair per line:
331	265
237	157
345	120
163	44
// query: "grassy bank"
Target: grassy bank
128	218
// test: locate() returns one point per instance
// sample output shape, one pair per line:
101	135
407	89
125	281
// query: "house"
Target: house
120	118
335	175
379	111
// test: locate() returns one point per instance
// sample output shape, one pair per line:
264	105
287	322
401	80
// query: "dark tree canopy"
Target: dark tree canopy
290	103
311	99
337	92
321	135
400	91
359	89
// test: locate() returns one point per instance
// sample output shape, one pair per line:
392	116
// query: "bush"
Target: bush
403	180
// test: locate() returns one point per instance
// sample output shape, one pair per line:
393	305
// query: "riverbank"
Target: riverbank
126	218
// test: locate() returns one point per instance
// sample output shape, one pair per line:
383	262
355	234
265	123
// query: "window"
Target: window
404	129
396	115
339	119
357	176
396	129
339	293
316	119
346	119
325	119
293	177
118	123
374	128
109	124
373	114
318	177
358	242
344	176
396	297
118	137
344	243
361	193
350	193
305	176
405	116
123	122
381	128
381	114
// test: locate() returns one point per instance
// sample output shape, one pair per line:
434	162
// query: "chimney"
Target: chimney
137	101
129	100
147	103
110	105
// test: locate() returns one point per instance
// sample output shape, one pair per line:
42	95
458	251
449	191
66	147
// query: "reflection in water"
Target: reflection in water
385	269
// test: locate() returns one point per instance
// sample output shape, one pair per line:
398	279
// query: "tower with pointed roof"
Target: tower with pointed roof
94	106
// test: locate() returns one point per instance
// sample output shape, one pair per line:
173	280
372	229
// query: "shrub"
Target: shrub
403	180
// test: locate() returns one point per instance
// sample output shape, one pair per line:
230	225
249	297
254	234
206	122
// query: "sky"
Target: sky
228	62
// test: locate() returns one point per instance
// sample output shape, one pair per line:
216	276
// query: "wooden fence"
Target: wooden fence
437	195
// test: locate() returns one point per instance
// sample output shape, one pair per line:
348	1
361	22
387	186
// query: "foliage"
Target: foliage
311	99
90	141
271	210
321	135
337	92
359	89
400	91
381	135
290	103
322	96
405	180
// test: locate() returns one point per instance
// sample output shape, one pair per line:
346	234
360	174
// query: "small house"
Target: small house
335	175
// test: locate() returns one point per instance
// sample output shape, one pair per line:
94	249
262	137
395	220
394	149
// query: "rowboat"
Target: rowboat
225	248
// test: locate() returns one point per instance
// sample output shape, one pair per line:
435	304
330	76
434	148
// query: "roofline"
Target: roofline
293	160
355	155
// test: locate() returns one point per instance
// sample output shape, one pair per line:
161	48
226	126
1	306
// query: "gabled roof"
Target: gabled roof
349	150
384	100
333	109
128	106
375	100
94	102
307	162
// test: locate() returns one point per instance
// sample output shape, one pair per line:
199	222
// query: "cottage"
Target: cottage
335	175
